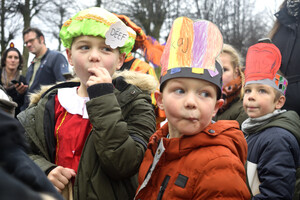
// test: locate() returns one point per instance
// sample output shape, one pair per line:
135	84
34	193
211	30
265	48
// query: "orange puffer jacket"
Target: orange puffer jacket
208	165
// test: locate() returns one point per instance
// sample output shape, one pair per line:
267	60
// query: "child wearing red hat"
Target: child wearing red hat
272	134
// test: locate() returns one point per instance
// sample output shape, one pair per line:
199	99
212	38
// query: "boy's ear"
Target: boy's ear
121	60
218	105
280	102
69	55
158	97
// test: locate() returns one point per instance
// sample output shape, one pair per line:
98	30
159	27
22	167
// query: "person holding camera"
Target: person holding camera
11	79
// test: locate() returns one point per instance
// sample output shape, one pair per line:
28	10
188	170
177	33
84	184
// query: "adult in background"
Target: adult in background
285	34
11	79
47	66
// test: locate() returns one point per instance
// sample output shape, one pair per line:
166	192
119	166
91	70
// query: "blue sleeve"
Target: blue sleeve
277	165
60	66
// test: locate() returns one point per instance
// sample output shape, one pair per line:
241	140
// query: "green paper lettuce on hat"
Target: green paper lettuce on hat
93	21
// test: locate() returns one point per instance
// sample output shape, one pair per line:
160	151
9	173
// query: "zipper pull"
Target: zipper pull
163	187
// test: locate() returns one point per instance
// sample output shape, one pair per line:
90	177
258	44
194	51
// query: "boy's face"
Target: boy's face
189	105
91	52
259	100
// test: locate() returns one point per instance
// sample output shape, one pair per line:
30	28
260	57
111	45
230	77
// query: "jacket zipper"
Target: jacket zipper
163	187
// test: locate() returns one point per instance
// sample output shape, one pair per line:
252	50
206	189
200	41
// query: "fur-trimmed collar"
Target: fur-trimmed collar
143	81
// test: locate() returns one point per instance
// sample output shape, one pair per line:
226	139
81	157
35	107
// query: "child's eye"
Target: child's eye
247	91
262	91
106	49
179	91
84	47
205	94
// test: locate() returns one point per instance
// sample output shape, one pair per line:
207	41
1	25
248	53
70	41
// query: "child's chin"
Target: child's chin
191	132
253	116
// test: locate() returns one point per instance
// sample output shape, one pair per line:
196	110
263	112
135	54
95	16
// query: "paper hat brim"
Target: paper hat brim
185	72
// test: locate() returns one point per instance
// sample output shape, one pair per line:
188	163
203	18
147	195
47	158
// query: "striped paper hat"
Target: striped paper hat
263	61
97	21
191	51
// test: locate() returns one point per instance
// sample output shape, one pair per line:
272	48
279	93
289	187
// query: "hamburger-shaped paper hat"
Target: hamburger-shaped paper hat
263	60
97	21
191	51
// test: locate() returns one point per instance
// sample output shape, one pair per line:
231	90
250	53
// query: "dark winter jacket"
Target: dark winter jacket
287	39
234	112
20	178
273	157
123	120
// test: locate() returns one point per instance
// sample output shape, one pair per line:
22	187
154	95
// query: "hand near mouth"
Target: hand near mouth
98	75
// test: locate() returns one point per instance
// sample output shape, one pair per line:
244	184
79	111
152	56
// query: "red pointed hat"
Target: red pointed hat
263	61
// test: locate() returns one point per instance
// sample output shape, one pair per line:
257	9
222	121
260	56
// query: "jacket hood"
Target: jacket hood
288	120
145	82
221	133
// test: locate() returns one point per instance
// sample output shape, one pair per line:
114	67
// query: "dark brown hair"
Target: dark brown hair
4	56
36	30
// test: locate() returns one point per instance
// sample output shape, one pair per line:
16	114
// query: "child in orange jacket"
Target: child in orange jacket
191	157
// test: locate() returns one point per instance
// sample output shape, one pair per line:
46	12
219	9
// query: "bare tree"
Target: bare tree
28	9
238	21
9	28
150	14
59	11
98	3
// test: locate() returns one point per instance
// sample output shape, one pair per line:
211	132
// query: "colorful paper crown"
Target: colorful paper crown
191	51
263	61
97	21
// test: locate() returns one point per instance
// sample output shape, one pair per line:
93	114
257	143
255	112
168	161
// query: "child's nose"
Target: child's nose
190	101
94	56
251	96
